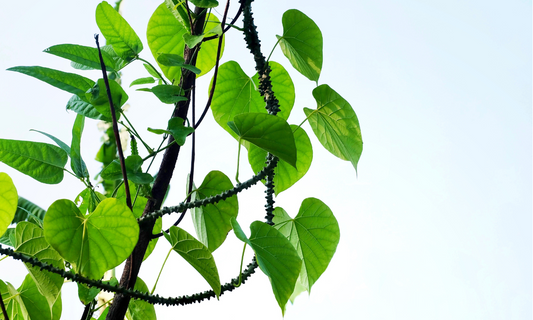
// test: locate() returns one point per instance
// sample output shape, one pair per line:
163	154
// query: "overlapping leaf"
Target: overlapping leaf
276	257
92	243
41	161
76	162
301	43
283	89
212	222
8	201
175	128
335	125
138	309
268	132
87	56
315	233
196	254
97	96
133	170
81	106
167	93
286	175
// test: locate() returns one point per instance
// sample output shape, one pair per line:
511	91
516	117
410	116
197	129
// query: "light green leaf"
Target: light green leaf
76	162
315	233
145	80
80	106
268	132
196	254
179	10
29	240
133	170
205	3
207	56
118	32
301	43
88	294
235	93
174	60
92	243
167	93
69	82
286	175
335	125
41	161
212	222
151	70
8	201
138	309
26	302
276	257
283	88
176	129
97	96
83	55
88	200
191	41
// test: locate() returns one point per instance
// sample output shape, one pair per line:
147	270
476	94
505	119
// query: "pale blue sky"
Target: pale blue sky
438	225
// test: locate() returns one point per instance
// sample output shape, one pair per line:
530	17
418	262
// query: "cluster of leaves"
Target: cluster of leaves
95	232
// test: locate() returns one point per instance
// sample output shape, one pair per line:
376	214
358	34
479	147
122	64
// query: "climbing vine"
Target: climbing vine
82	239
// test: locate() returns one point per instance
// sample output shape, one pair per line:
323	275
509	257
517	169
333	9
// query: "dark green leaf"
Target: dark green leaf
174	60
133	170
6	238
196	254
269	133
97	96
69	82
301	43
138	309
8	201
205	3
29	211
117	32
59	143
176	129
80	106
76	162
83	55
212	222
41	161
167	93
336	125
286	175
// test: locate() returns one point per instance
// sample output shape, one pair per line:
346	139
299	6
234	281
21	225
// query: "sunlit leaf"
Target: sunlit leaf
174	60
41	161
76	162
301	43
205	3
138	309
92	243
145	80
97	96
335	125
87	56
176	129
80	106
133	170
167	93
8	201
283	88
196	254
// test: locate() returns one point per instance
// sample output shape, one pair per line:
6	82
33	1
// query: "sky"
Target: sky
437	224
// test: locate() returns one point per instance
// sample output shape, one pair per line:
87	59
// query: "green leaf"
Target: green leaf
80	106
235	93
133	170
196	254
205	3
88	200
314	232
286	175
165	35
8	201
76	162
276	257
26	302
29	240
92	243
69	82
138	309
191	41
301	43
268	132
176	129
97	96
167	93
28	211
283	88
6	238
88	294
59	143
335	125
174	60
41	161
151	70
145	80
212	222
83	55
118	32
179	10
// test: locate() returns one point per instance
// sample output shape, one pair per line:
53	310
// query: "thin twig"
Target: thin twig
4	311
115	127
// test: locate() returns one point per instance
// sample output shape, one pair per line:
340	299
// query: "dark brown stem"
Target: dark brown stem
118	309
4	311
115	127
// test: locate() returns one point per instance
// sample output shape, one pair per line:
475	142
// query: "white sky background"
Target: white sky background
438	224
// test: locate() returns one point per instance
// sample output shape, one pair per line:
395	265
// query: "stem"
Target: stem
240	269
159	74
115	126
161	270
272	51
4	311
238	161
132	130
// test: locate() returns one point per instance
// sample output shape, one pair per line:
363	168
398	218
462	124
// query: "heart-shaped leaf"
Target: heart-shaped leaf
301	43
276	257
315	233
8	201
335	124
196	254
92	243
212	222
283	88
41	161
268	132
